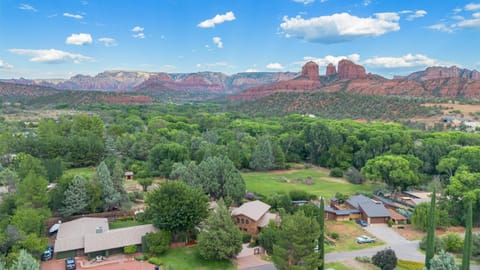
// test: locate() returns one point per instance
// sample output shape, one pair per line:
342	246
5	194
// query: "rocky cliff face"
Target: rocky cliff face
348	70
310	71
331	70
444	72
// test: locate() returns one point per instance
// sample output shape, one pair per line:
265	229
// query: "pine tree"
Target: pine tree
430	250
262	158
25	261
76	197
110	196
467	243
3	266
295	244
321	238
219	239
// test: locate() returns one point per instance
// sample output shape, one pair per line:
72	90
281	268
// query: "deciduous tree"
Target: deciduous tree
25	261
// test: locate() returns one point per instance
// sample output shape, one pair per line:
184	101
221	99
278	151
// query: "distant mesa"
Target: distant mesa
444	72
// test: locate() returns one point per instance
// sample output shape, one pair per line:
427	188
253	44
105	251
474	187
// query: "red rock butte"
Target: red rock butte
310	71
331	70
348	70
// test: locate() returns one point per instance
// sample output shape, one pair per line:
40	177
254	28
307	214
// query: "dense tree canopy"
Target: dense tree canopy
176	206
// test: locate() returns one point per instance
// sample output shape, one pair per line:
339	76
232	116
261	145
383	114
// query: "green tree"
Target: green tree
30	220
176	207
295	244
385	259
32	192
396	171
267	236
321	238
467	246
443	261
3	266
420	216
75	197
263	158
145	183
164	155
25	261
25	164
430	251
53	168
220	238
448	165
110	196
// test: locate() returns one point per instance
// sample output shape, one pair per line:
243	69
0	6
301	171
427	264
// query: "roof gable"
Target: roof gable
372	209
357	199
253	210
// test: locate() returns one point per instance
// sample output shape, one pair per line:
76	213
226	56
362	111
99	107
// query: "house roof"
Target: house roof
128	173
71	234
372	209
266	219
395	215
357	199
340	212
117	238
253	210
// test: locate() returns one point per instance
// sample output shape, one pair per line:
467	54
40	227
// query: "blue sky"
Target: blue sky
58	39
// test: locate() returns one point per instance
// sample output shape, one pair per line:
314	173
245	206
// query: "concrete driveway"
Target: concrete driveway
404	248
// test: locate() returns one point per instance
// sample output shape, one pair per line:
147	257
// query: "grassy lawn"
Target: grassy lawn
337	266
86	172
268	183
189	258
348	231
409	265
123	224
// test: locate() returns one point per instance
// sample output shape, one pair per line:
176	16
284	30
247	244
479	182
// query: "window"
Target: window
247	221
238	220
241	220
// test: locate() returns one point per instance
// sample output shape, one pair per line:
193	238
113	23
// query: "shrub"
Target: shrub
158	243
336	172
156	261
453	242
363	259
385	259
334	235
246	237
439	244
354	176
301	195
130	249
390	223
140	258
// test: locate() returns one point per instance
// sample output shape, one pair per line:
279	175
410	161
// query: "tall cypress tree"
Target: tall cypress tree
467	242
430	252
321	238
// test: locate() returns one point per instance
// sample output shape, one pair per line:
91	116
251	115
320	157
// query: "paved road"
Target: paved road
404	248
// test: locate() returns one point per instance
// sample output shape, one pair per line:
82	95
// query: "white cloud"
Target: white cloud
79	39
472	6
218	19
324	61
139	35
441	27
339	27
4	64
108	42
408	60
27	7
305	2
51	56
74	16
251	70
274	66
218	41
417	14
137	29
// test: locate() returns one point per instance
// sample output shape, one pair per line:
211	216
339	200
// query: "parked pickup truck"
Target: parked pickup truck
365	239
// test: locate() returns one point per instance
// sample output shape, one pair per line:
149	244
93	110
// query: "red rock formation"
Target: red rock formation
128	99
310	71
331	70
348	70
444	72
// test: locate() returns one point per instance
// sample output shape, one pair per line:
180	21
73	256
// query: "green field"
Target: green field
87	172
268	183
189	258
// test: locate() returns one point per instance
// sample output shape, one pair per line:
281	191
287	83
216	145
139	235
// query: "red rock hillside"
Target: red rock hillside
308	80
352	78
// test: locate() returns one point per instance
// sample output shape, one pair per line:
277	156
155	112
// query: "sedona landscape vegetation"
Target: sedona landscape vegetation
241	167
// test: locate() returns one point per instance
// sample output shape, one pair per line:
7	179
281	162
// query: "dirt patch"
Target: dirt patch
411	234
